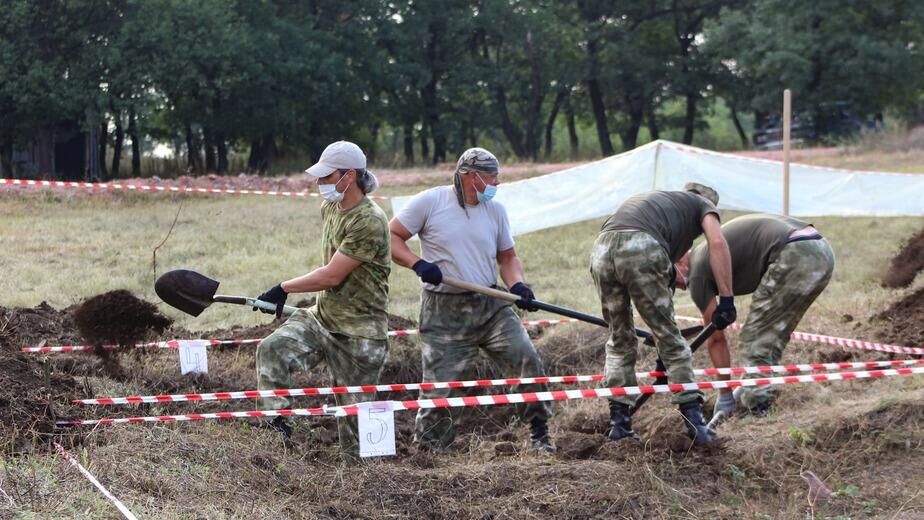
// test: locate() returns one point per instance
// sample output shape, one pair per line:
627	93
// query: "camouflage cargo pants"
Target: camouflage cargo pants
454	328
300	344
631	267
785	293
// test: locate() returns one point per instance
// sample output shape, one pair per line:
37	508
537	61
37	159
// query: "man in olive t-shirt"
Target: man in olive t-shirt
632	261
785	263
347	328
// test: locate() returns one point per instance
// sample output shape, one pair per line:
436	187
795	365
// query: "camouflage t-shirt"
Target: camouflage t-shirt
356	307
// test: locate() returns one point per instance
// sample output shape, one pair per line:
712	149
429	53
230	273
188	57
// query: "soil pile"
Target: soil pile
907	263
903	322
118	317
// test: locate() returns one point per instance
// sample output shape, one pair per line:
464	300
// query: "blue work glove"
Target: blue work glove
526	296
724	313
275	295
428	272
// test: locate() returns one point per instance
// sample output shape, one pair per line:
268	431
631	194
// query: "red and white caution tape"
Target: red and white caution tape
102	489
528	397
477	383
840	342
110	186
215	342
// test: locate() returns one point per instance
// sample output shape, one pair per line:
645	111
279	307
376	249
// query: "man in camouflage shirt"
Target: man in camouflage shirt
785	263
466	235
347	327
632	262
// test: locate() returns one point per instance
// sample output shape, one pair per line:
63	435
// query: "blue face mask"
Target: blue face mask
488	193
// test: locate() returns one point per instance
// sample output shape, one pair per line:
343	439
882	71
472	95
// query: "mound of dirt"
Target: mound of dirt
903	322
118	317
907	263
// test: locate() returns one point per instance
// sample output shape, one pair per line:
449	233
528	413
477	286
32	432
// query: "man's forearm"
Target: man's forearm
720	263
401	253
511	270
318	280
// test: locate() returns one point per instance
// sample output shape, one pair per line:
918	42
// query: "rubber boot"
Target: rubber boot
539	435
620	422
697	430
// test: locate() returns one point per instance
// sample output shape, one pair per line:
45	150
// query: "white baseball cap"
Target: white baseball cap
342	155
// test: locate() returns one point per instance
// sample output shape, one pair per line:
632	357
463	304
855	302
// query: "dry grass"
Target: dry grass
861	438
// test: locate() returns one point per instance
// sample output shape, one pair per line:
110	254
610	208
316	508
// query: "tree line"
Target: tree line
269	79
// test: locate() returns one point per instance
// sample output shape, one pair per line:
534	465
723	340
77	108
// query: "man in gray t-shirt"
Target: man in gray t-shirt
632	263
785	263
466	235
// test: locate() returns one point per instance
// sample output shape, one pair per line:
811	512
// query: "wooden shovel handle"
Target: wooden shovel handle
487	291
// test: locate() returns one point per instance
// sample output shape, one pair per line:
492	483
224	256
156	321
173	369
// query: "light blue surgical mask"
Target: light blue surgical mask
489	191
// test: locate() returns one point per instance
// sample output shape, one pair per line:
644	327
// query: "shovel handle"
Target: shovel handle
252	302
512	298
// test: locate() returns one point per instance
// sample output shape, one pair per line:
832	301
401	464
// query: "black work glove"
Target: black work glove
526	296
428	272
275	295
724	313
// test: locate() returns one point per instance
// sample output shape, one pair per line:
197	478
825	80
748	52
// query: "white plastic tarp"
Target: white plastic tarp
596	189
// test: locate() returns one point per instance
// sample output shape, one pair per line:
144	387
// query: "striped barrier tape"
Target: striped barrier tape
109	186
89	476
836	341
502	399
215	342
478	383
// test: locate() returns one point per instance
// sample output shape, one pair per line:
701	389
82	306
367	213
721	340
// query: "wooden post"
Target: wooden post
787	124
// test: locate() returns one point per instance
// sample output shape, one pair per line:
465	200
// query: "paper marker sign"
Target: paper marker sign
193	356
376	429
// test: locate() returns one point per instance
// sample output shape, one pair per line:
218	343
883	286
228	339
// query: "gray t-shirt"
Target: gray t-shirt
673	218
754	242
464	246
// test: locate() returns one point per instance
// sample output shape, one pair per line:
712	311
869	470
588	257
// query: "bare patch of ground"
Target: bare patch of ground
905	265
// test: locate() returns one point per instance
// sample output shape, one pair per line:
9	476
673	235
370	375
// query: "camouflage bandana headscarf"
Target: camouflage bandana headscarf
473	160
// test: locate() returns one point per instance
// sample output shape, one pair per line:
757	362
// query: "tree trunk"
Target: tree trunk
117	146
136	142
45	152
573	144
103	142
652	121
424	142
741	133
222	151
211	164
6	158
370	153
550	124
596	102
92	144
408	132
262	151
536	96
511	132
689	119
193	148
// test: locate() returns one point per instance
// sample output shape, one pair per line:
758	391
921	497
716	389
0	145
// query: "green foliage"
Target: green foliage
277	80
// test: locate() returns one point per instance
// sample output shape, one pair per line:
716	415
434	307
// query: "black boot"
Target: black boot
620	422
539	435
696	425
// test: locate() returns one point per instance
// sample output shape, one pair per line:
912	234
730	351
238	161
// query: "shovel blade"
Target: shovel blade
186	290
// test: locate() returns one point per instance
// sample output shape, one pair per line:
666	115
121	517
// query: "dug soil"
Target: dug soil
907	263
903	322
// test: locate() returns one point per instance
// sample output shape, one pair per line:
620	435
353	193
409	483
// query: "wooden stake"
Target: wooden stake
787	124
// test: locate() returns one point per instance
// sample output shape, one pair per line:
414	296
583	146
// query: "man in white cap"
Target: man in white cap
467	235
347	327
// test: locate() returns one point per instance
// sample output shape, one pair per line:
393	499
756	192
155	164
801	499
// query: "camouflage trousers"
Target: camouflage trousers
785	293
454	328
301	343
631	267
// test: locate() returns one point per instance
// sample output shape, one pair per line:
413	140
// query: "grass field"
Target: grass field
862	438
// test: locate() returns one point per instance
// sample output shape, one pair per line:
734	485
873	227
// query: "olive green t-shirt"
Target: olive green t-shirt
357	306
673	218
754	242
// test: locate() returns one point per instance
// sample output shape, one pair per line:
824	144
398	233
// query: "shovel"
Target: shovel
564	311
662	380
192	293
